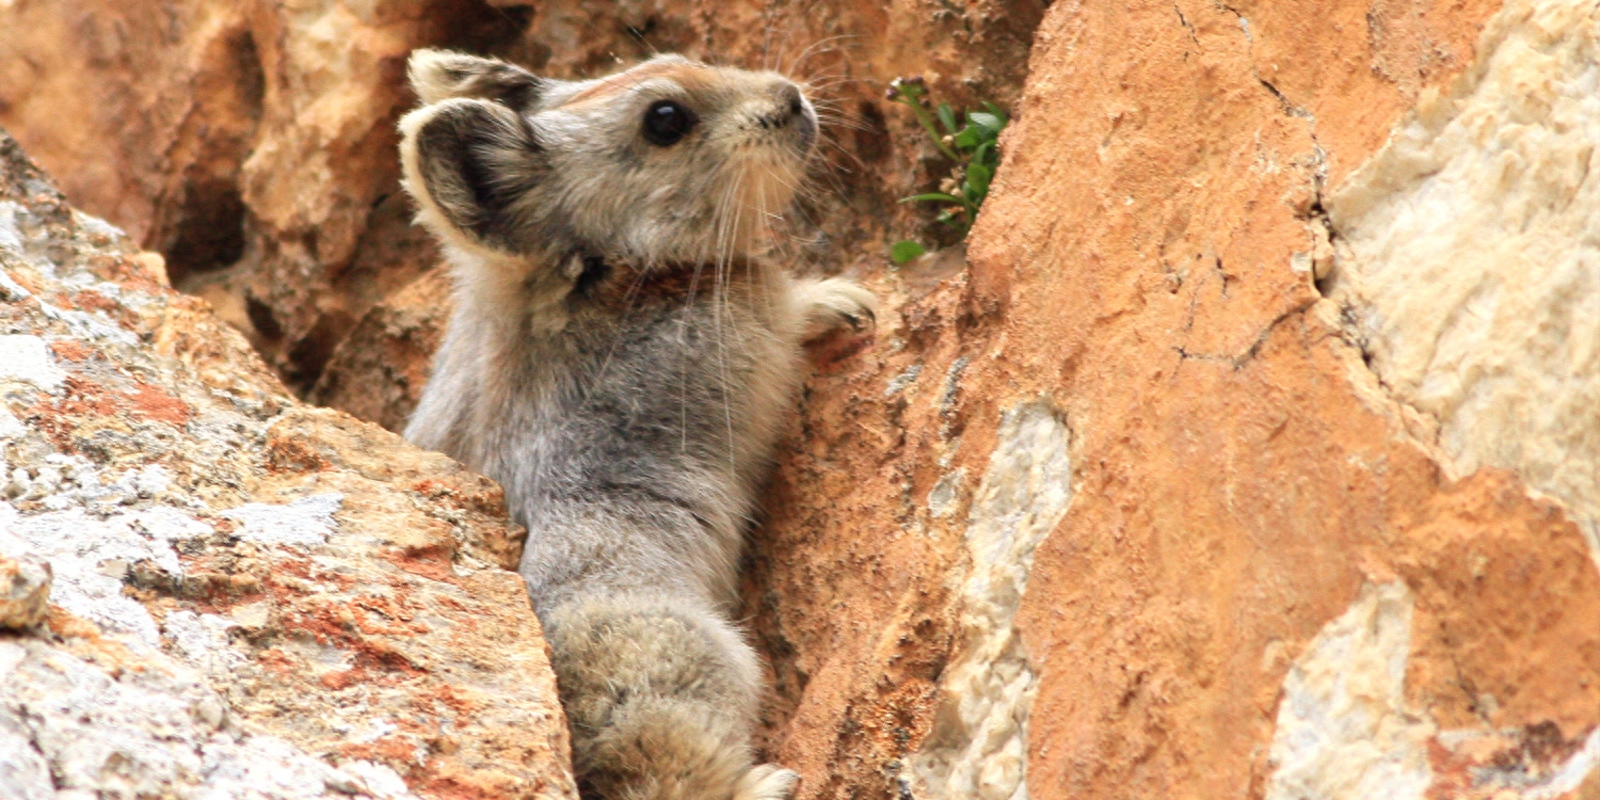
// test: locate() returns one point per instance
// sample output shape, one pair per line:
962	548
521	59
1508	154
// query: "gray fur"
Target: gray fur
621	360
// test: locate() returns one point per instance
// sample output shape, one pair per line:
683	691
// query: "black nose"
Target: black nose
789	96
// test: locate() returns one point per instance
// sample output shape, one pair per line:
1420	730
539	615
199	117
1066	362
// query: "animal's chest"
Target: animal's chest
694	382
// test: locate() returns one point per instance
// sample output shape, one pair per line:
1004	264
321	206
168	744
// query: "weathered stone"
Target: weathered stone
1146	265
1466	256
1240	473
258	136
378	372
252	598
24	592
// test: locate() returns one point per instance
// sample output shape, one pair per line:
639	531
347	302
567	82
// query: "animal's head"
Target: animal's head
672	160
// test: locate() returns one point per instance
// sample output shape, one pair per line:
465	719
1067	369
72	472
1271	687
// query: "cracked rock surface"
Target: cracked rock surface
251	597
1273	581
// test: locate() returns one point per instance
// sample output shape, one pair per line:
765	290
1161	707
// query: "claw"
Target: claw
863	321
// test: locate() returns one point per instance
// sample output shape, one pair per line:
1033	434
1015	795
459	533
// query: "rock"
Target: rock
252	597
1275	576
24	592
378	372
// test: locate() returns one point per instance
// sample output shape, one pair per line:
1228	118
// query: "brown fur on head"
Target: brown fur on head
672	160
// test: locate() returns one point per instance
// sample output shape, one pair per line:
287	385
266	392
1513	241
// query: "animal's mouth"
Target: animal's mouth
770	183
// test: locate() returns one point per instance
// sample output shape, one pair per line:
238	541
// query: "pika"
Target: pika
622	357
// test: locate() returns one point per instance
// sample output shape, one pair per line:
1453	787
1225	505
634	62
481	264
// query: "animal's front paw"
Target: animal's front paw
833	303
767	782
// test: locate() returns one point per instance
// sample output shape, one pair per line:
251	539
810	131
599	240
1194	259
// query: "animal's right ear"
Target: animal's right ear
473	166
441	74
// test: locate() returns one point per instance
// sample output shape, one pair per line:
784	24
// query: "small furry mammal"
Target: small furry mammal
621	360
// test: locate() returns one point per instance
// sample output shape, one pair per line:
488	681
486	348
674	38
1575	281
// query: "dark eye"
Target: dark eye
667	121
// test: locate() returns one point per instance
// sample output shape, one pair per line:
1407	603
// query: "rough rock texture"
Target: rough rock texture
252	597
1273	579
1467	255
1251	455
1240	473
24	592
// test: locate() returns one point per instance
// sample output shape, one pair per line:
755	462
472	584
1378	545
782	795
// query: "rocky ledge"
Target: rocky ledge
247	596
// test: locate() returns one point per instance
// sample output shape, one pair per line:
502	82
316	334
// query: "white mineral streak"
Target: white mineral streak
10	235
977	747
944	499
1569	776
27	359
1469	251
305	521
1343	732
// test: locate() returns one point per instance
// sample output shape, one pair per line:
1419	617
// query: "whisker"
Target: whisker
849	124
823	86
627	307
812	50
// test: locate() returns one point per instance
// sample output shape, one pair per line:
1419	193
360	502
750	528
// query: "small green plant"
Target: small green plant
973	148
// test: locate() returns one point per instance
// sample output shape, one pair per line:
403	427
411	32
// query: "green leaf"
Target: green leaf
931	197
948	117
905	250
984	155
968	138
978	177
986	120
995	110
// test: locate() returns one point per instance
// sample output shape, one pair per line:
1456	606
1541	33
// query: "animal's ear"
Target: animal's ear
472	166
440	75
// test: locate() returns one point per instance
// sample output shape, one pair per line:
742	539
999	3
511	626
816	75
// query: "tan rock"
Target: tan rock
252	597
24	592
1239	473
379	370
223	134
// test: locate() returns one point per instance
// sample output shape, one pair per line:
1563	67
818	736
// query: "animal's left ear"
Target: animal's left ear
472	165
441	74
